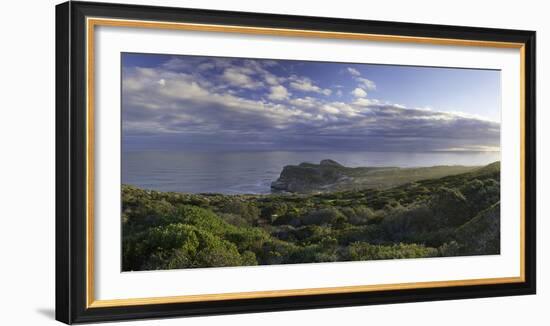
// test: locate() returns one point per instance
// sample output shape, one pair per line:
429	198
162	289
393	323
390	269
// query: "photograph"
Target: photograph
213	161
234	161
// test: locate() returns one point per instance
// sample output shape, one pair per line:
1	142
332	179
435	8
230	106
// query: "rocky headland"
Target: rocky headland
329	176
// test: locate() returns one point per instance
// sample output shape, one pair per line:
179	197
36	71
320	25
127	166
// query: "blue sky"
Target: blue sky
212	103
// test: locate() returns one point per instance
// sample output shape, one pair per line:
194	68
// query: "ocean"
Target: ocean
253	172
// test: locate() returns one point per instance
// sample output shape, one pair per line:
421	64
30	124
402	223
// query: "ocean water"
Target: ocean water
253	172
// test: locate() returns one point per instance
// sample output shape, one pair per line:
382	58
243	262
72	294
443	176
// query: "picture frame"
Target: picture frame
77	130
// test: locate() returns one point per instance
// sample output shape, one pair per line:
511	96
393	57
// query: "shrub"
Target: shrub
449	249
201	218
481	194
154	247
360	214
402	223
363	233
275	252
288	219
185	246
144	213
449	207
481	235
273	210
247	239
315	253
365	251
247	211
322	216
312	233
233	219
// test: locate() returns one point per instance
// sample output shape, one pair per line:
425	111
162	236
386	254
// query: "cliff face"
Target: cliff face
308	177
329	175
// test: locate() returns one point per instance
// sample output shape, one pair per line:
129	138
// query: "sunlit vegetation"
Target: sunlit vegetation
450	216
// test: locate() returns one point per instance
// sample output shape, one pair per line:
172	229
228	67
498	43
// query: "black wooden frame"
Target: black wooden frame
71	162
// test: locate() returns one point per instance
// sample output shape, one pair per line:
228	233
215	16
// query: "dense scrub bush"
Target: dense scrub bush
248	238
481	235
447	249
363	233
328	215
313	233
481	194
182	246
454	215
246	210
271	211
449	207
358	215
288	219
233	219
366	251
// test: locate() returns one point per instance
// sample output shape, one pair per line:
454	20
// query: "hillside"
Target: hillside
449	216
330	176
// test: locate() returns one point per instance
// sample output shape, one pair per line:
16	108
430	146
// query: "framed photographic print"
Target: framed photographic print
215	162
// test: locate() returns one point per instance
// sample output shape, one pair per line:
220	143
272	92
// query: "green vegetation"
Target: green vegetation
450	216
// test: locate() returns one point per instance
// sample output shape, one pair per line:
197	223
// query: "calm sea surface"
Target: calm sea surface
253	172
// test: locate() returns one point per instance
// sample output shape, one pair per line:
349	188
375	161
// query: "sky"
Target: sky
238	104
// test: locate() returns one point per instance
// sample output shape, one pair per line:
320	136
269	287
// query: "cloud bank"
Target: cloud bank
203	103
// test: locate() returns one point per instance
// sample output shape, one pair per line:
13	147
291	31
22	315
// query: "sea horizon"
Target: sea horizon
251	172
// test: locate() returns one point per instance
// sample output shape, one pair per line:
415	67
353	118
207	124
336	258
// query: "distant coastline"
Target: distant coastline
254	172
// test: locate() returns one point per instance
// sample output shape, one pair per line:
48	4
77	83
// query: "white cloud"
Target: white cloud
305	84
163	101
359	92
362	82
148	72
366	83
361	101
258	67
307	102
471	148
339	108
240	78
183	105
353	71
182	89
271	80
326	92
278	93
425	108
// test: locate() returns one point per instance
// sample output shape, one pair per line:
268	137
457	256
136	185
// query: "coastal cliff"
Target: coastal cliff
329	176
